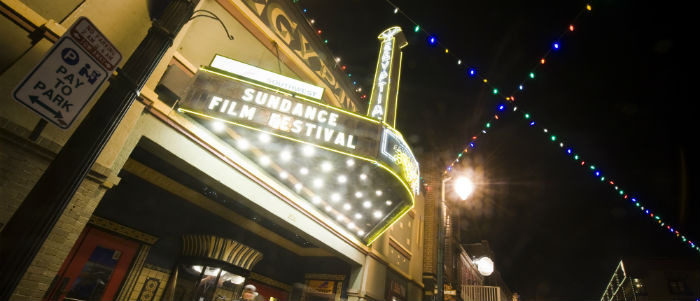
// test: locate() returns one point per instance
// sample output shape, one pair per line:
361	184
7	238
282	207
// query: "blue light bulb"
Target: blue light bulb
568	151
432	40
532	123
556	45
520	87
501	107
472	72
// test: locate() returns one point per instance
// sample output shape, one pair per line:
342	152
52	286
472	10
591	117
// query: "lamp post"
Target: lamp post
464	188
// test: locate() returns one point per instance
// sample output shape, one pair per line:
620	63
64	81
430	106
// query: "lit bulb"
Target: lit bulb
304	171
396	10
342	179
377	214
328	208
360	232
358	216
318	183
366	204
326	166
388	202
308	150
316	200
285	155
378	192
218	126
335	197
243	144
351	225
264	138
283	175
265	160
350	162
347	206
358	194
363	177
298	187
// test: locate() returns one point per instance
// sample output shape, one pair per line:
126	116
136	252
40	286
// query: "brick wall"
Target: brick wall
21	164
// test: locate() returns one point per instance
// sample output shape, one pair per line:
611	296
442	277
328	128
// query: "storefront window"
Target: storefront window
207	283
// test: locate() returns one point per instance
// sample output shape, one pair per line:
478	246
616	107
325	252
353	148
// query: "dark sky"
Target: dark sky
618	91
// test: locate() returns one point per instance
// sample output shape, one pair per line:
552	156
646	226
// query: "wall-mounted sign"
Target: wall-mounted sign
395	151
385	89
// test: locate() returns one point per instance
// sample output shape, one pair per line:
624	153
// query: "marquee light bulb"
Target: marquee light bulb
218	126
388	202
318	183
265	161
283	175
308	150
350	162
326	166
316	200
363	177
243	144
335	197
351	225
304	171
347	206
328	208
378	192
358	216
366	204
342	179
286	155
358	194
360	232
265	138
298	187
377	214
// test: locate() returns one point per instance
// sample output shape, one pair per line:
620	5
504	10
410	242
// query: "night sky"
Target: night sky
618	92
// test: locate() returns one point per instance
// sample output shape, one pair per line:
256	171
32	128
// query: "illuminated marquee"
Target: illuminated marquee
364	178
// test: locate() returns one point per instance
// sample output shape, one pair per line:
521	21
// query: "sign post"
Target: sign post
65	80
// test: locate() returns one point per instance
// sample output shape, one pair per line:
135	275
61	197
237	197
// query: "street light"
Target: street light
464	187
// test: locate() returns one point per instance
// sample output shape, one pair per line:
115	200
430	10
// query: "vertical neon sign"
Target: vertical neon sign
385	88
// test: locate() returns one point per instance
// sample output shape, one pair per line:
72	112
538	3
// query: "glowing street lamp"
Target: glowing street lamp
463	187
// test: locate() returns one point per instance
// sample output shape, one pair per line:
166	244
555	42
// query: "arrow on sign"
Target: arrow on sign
35	99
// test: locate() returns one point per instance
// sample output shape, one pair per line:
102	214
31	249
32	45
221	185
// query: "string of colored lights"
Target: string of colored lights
508	102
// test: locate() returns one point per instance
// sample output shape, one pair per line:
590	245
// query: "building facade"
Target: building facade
653	279
247	158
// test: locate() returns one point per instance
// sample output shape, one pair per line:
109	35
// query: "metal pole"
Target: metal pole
30	225
441	244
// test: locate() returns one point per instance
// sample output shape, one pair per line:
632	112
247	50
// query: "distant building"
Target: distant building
657	279
474	285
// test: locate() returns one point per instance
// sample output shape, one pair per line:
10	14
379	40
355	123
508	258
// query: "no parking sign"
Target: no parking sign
60	86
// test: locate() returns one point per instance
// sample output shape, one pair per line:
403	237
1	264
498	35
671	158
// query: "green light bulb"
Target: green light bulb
532	75
495	91
488	125
592	167
575	157
554	138
527	116
416	29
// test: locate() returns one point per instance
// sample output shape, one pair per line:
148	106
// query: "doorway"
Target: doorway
95	267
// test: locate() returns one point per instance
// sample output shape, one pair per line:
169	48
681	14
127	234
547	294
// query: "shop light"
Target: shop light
265	161
342	179
377	214
363	177
366	204
335	197
218	126
378	192
326	166
304	171
318	183
350	162
358	194
347	206
242	144
283	175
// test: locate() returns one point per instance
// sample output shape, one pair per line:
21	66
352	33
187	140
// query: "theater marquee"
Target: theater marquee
357	170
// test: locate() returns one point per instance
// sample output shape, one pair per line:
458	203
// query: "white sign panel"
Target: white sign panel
267	77
60	86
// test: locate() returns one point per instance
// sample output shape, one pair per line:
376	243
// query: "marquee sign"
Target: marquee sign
364	177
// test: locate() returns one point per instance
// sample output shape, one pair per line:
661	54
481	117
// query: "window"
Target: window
677	287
